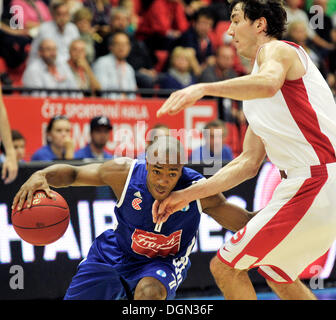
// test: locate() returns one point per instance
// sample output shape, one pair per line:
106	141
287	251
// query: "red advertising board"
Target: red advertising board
131	119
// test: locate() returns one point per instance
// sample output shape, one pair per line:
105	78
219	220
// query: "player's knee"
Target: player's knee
219	269
150	289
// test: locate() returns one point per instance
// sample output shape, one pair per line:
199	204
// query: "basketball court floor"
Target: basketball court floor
321	294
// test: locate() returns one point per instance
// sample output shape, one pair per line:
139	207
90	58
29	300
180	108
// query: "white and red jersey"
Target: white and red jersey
297	124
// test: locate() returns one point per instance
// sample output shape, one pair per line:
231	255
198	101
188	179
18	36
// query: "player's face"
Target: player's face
243	32
162	178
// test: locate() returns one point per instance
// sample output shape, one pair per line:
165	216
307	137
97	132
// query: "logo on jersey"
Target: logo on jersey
161	273
185	208
238	236
136	203
151	244
138	194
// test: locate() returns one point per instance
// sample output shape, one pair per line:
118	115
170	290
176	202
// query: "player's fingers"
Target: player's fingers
3	171
22	199
16	199
29	198
169	103
155	207
48	191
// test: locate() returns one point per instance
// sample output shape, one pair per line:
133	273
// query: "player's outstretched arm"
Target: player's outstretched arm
58	176
275	60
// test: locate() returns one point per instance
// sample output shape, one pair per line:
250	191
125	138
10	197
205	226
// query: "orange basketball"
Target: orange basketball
45	221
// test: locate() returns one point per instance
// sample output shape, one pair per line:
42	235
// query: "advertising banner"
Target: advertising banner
131	120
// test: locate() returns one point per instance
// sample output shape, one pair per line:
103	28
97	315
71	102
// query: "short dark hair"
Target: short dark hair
272	10
114	34
204	12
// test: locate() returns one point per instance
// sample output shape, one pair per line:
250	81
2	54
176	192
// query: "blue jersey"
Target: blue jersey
135	232
118	259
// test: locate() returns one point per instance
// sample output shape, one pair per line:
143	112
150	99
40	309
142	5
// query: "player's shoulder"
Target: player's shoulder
189	176
276	47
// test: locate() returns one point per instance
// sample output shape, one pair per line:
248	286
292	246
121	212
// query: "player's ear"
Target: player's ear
261	24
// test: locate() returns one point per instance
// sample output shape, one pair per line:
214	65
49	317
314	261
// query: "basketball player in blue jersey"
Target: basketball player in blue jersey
138	259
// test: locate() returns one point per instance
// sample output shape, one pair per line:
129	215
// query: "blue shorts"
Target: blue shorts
111	276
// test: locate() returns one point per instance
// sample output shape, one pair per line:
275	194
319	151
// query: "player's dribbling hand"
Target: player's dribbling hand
181	99
36	182
162	210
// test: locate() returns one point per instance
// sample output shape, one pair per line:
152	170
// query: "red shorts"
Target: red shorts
296	227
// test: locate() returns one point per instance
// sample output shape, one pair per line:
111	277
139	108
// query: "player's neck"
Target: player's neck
261	41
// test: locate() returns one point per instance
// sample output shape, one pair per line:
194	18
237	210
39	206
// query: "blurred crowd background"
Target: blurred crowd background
113	48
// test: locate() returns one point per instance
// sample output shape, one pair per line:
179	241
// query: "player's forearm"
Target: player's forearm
248	87
59	175
234	173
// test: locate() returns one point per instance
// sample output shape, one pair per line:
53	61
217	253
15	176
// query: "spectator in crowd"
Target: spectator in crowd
35	12
48	72
119	21
9	167
101	15
100	130
140	57
162	23
158	130
294	13
182	69
84	77
74	6
59	145
214	148
324	22
19	143
83	19
298	33
60	29
197	37
223	68
112	70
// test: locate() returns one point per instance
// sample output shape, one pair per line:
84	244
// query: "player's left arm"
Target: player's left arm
228	215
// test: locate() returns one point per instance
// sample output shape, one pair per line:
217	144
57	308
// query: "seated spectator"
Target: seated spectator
46	71
157	131
74	6
223	68
100	130
112	70
162	23
101	15
83	19
59	145
214	148
294	13
19	143
60	29
119	21
140	57
35	13
197	37
298	33
80	67
180	73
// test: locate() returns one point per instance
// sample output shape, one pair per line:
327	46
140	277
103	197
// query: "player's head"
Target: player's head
164	164
253	20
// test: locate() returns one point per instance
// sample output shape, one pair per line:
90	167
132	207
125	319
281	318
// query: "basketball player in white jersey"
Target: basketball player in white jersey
292	118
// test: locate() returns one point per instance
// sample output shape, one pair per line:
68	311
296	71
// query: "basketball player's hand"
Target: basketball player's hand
181	99
9	168
36	182
162	210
